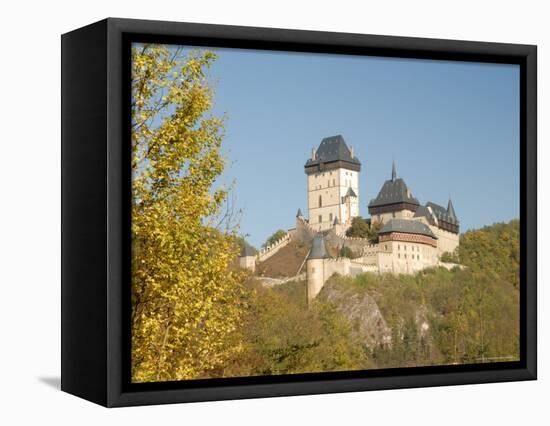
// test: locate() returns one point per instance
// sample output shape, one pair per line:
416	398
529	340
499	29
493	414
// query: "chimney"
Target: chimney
352	151
313	153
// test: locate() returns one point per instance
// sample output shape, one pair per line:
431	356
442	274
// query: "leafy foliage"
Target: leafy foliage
346	252
187	302
494	248
450	257
472	314
361	229
283	336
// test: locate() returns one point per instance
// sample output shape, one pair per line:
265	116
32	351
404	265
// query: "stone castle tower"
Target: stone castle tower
332	184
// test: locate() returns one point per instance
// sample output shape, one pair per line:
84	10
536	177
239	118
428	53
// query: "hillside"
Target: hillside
382	321
284	263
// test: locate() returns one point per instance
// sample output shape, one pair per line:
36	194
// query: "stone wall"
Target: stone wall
303	232
446	241
269	251
357	245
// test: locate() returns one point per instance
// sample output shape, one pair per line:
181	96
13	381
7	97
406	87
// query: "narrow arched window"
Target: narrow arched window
320	201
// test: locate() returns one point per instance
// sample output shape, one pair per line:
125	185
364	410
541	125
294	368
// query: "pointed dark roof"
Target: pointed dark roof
247	250
451	211
332	149
394	191
393	171
407	226
351	193
336	221
299	214
422	211
318	248
440	213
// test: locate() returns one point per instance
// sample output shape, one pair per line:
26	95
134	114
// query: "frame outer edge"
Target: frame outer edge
531	216
116	395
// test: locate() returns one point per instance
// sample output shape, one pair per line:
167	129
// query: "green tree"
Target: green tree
186	300
450	257
283	336
361	229
346	252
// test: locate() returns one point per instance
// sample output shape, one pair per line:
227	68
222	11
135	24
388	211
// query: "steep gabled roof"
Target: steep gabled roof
422	211
332	149
451	211
318	248
394	191
299	213
441	213
407	226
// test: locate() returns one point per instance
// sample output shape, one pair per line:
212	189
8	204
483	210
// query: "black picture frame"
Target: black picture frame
95	211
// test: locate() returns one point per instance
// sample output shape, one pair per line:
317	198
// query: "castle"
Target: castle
412	236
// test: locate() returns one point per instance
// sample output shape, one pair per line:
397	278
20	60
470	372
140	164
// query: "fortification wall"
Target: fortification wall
446	241
269	251
303	232
357	245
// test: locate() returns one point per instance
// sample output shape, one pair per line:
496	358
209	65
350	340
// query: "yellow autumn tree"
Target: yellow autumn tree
186	300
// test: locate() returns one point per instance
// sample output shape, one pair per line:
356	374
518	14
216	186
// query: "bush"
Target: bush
346	252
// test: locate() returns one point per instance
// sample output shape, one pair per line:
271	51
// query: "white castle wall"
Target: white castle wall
447	241
248	262
331	186
385	217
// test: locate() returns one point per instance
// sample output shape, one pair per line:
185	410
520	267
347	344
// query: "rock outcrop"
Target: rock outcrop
361	310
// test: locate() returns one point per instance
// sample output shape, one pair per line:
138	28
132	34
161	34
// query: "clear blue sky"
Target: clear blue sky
452	128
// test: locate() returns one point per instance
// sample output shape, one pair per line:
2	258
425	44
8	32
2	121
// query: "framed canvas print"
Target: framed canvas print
254	212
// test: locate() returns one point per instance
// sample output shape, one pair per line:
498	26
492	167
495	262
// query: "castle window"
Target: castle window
405	256
399	255
328	182
320	218
333	182
392	214
320	201
330	217
312	270
405	247
417	257
398	246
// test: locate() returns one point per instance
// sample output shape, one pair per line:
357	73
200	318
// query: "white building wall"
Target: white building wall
447	241
331	186
315	273
384	217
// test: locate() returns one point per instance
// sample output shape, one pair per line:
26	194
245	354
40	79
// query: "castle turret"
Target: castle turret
451	211
315	267
247	258
332	171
